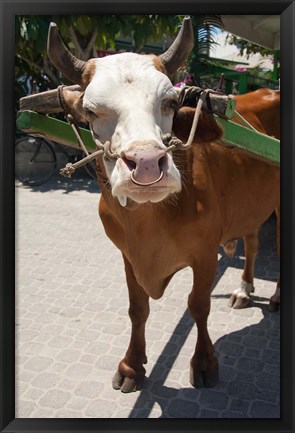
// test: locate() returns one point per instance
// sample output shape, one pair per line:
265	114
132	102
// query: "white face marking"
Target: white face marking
132	103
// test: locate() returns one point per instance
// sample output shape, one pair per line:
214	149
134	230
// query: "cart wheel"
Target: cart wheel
90	169
35	160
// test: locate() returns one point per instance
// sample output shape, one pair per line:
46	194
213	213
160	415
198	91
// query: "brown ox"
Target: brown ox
164	212
261	109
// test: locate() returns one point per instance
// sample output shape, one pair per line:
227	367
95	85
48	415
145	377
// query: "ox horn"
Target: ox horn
178	52
62	58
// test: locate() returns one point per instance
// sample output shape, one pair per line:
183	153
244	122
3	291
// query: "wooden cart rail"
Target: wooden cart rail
253	142
53	129
258	145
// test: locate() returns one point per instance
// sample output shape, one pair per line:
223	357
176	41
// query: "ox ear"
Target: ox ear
72	102
207	130
178	52
71	67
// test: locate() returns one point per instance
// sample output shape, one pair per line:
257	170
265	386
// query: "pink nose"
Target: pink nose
147	166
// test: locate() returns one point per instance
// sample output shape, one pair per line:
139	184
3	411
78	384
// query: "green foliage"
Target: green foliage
205	28
247	48
82	34
85	33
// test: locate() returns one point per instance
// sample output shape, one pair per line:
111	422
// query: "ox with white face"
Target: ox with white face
131	104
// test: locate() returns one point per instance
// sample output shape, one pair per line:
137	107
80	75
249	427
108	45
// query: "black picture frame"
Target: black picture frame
10	8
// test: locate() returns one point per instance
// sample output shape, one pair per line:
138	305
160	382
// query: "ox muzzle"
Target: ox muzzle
146	165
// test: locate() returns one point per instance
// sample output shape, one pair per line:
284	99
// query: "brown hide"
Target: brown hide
261	109
225	195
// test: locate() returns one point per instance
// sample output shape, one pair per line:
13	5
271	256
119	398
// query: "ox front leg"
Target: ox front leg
241	296
130	374
204	365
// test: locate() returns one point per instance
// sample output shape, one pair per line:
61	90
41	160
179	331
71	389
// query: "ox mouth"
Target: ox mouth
132	177
149	182
144	194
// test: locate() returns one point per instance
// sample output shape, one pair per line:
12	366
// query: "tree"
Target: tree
205	27
247	48
85	34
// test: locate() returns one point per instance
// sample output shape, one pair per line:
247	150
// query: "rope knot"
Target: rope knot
68	170
171	142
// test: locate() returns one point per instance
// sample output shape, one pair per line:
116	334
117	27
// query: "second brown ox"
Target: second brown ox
261	109
164	212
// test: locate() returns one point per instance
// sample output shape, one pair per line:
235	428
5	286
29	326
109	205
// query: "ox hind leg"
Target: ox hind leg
275	299
204	365
130	374
241	296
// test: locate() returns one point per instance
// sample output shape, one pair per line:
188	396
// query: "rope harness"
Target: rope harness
104	150
171	142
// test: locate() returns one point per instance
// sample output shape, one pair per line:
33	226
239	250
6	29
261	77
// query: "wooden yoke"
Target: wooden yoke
244	139
46	102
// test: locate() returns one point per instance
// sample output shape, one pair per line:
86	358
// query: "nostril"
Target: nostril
163	163
130	164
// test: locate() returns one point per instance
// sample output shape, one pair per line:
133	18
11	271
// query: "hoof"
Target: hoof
273	306
205	378
127	384
238	301
241	296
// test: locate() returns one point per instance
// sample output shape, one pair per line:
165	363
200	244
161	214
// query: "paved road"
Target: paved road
73	328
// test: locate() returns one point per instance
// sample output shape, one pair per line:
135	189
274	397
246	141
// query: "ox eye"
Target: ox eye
174	105
170	105
90	114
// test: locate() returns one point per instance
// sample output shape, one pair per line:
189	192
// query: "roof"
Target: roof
263	30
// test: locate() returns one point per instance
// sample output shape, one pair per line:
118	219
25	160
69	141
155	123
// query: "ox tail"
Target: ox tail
230	247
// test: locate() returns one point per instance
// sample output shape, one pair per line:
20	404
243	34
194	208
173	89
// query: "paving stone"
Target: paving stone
182	409
42	412
89	389
254	341
233	414
67	413
245	376
59	342
250	364
231	349
163	391
78	371
25	408
213	399
242	390
271	357
38	363
33	394
68	355
239	405
266	394
252	352
100	409
55	399
46	380
207	413
77	403
73	326
268	381
107	362
262	409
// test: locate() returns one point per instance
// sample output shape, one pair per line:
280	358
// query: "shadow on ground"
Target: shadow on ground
66	185
241	376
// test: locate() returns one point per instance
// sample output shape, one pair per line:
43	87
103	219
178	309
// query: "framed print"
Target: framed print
89	339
